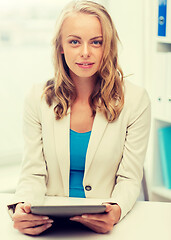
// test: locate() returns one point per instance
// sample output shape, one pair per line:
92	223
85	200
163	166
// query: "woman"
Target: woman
86	131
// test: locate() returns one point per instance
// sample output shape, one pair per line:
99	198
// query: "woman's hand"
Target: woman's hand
28	223
101	223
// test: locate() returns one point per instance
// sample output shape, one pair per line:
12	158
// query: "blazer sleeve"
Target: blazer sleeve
32	182
130	171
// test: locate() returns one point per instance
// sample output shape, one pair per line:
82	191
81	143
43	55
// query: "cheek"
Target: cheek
97	52
69	54
99	55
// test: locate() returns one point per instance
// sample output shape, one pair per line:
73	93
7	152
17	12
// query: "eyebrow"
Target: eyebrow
80	37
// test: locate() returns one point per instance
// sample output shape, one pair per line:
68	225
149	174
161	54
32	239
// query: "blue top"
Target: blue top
78	149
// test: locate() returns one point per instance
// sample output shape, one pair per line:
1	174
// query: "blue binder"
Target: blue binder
162	10
164	137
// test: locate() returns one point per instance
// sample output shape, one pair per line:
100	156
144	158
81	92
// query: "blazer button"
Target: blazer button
88	188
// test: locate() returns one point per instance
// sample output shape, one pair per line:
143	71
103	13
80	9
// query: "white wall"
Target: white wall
128	17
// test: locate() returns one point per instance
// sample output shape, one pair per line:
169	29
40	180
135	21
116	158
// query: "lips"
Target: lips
85	65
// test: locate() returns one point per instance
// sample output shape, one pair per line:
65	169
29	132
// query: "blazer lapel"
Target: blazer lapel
62	144
61	135
98	129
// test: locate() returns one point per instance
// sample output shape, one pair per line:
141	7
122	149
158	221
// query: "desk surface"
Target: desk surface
147	220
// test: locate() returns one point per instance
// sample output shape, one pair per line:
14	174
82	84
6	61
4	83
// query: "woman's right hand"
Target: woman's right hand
28	223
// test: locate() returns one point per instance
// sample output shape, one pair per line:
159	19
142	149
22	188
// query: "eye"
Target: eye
97	43
74	42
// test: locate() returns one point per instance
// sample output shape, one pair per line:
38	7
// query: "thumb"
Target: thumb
27	207
108	207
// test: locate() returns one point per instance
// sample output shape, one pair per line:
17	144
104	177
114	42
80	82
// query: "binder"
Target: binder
164	139
162	11
168	20
160	63
168	87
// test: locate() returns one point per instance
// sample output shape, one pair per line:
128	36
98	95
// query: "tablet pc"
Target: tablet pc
67	211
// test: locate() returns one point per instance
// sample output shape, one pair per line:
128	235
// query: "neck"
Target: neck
84	87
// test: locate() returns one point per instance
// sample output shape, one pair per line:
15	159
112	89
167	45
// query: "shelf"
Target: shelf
166	121
159	87
164	40
163	192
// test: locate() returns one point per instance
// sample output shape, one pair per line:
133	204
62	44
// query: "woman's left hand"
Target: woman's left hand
101	223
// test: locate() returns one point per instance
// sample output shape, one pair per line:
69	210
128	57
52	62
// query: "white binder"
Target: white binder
168	87
160	84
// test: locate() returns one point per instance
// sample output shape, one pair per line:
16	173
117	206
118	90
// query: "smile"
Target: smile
85	65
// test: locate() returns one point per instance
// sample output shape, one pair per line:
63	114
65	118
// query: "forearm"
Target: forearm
125	195
31	189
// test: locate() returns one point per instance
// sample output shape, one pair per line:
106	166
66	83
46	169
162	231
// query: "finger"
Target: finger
108	207
36	223
97	217
31	224
98	226
90	221
98	229
27	207
23	207
106	218
36	230
28	217
92	227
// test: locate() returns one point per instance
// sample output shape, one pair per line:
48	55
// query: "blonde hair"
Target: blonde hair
108	94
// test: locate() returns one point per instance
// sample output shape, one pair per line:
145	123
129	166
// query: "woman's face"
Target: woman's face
82	44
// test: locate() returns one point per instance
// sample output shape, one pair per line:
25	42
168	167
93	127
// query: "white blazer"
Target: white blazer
114	159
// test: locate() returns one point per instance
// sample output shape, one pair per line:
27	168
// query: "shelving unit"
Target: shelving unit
161	108
162	192
158	191
163	40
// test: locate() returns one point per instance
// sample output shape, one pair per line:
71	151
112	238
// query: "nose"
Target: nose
85	50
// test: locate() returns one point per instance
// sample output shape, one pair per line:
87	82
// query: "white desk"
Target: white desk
146	221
